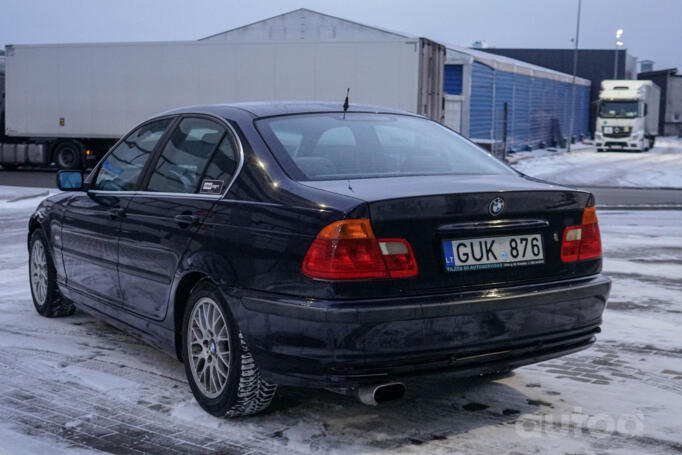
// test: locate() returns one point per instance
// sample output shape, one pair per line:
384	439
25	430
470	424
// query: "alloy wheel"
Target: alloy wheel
209	347
38	266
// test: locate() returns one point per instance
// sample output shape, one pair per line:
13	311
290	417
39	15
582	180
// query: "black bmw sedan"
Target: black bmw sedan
296	244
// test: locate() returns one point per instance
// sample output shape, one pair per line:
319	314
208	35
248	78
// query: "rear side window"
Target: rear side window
186	156
223	164
121	169
333	147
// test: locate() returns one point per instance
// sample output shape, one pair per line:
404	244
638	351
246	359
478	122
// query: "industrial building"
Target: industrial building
538	100
670	113
484	93
595	65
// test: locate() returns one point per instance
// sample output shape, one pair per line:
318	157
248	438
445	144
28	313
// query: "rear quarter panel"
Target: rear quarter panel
264	226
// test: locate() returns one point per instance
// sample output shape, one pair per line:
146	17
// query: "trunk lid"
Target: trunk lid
380	189
426	211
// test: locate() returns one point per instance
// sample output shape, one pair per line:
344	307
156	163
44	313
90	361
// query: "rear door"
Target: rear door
192	171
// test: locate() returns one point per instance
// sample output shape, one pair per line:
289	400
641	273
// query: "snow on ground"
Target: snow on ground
77	383
584	166
14	442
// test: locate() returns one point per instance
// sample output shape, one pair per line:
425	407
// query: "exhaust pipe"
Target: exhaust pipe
373	394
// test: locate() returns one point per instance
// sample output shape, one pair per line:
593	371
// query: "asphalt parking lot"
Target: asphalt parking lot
79	383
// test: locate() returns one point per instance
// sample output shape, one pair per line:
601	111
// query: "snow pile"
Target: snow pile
22	198
584	166
515	157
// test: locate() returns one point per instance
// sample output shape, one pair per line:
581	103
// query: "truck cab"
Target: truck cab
628	115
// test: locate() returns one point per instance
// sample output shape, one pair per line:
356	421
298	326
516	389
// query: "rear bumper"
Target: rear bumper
317	343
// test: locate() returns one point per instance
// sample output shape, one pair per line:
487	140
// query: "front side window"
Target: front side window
334	147
186	155
618	109
121	169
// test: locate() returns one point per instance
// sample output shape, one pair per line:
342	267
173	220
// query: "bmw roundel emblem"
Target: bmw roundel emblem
496	206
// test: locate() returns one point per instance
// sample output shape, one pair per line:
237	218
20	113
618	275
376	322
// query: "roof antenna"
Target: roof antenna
345	104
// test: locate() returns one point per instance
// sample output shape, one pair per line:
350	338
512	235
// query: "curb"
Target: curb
640	207
644	188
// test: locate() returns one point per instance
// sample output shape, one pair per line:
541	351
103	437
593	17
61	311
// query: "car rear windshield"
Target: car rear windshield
333	147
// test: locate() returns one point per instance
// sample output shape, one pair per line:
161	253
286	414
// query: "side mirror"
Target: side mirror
70	180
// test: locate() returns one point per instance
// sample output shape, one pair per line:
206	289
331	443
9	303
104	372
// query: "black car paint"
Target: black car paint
152	242
89	241
251	242
371	339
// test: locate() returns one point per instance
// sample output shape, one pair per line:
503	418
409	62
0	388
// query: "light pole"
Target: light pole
575	70
619	43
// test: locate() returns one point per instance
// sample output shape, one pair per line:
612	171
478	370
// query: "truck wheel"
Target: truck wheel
43	279
67	155
221	372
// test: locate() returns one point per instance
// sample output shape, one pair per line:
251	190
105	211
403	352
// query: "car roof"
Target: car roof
275	108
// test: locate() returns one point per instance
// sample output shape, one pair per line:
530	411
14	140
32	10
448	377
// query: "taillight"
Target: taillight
399	258
348	250
584	241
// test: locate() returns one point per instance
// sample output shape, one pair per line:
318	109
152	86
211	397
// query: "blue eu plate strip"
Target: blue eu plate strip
449	254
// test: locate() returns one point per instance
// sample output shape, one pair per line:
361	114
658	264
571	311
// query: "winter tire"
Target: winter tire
43	280
221	372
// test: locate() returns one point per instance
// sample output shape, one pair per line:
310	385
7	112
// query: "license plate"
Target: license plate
493	252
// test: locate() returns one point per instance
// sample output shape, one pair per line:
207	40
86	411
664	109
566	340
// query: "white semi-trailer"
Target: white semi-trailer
628	115
66	104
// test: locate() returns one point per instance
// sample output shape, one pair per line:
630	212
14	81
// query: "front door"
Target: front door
90	244
92	220
191	173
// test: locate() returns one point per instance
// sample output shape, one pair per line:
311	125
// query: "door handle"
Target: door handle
116	212
186	220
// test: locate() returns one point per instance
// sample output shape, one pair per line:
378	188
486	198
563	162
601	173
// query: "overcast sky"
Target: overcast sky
653	28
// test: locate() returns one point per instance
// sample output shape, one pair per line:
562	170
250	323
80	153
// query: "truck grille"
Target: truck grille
616	131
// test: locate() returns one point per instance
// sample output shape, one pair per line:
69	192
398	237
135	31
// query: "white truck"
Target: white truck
628	115
66	104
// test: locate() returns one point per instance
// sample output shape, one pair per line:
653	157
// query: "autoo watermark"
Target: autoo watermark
577	423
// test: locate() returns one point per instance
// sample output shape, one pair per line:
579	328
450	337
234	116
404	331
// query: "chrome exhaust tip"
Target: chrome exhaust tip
374	394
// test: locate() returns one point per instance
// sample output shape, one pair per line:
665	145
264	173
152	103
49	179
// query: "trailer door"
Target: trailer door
431	64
